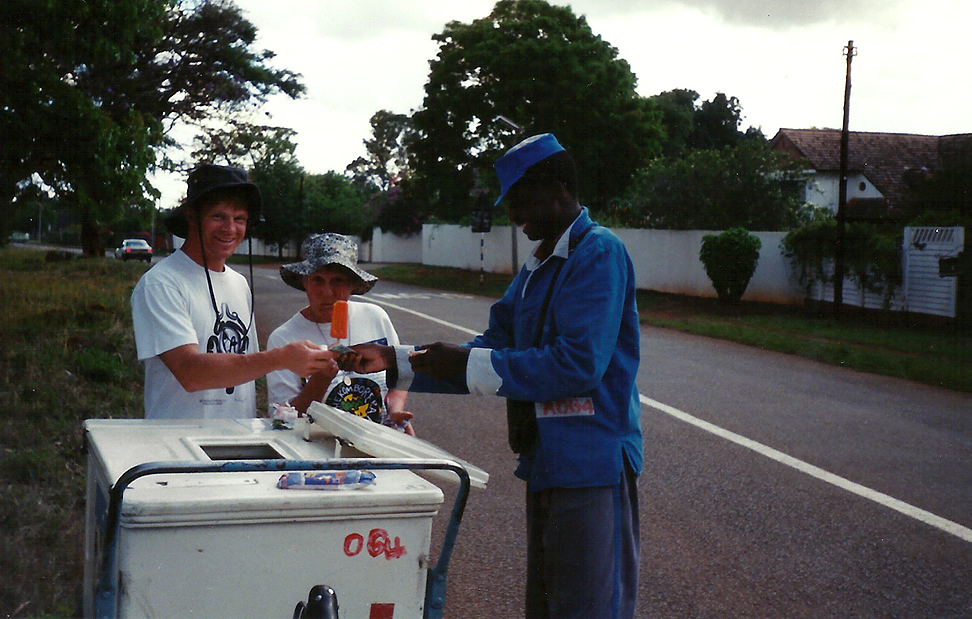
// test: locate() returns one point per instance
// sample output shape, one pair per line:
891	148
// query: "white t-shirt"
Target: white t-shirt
171	307
361	394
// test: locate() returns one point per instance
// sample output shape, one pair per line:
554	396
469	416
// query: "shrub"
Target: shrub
398	211
730	260
810	249
872	258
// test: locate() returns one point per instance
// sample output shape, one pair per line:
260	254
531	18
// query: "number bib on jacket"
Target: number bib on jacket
568	407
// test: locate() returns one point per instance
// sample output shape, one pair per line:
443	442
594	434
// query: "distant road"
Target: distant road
109	252
773	486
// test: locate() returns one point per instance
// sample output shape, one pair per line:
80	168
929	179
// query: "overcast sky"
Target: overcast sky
783	60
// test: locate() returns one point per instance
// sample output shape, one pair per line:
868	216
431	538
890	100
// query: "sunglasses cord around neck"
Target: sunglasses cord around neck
209	281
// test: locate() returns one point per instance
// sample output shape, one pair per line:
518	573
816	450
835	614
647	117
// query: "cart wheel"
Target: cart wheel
321	604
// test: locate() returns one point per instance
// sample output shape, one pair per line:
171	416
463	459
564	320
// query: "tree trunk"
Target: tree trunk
92	244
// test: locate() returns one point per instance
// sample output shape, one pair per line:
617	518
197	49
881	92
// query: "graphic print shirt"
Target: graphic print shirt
171	307
360	394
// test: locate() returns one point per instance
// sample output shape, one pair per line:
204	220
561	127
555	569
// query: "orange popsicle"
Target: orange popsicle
339	320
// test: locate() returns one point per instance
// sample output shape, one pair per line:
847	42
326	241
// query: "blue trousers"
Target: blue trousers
583	548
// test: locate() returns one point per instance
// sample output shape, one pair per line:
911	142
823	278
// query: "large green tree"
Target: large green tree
745	186
387	159
395	207
542	67
62	121
716	123
678	110
335	203
295	203
89	88
692	125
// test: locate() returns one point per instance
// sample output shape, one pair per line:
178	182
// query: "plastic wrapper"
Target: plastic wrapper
334	480
285	413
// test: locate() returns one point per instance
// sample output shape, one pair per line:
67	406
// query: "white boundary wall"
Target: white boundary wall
449	245
392	248
668	261
664	260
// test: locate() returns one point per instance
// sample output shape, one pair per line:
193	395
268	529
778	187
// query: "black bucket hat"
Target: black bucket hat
207	179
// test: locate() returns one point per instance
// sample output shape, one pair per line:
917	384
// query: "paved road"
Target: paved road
774	487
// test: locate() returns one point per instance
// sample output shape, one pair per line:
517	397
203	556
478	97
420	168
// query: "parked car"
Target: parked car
134	249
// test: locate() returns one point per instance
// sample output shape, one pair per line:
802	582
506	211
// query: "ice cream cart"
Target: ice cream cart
192	518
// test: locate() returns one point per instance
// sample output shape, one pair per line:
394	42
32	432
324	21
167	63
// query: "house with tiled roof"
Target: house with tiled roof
880	167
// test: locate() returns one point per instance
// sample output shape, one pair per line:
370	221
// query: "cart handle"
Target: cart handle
106	589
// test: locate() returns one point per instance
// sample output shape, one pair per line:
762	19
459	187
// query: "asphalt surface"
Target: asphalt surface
774	487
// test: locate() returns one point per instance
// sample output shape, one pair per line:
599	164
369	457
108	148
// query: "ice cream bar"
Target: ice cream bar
339	320
327	481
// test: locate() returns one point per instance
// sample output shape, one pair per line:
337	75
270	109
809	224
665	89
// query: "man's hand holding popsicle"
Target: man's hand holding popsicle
440	360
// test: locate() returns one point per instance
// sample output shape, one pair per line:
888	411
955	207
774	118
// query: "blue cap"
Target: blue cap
511	166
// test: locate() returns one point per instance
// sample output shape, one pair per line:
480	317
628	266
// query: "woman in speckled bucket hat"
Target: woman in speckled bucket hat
320	250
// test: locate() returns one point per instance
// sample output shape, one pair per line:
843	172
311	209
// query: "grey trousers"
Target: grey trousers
583	549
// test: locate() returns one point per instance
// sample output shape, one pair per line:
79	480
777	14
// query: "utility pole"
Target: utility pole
850	52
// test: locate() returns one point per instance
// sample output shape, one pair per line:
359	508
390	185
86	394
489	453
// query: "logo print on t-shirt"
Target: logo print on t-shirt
229	335
357	395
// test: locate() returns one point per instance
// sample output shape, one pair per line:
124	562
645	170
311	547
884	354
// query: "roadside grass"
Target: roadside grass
67	354
932	353
446	278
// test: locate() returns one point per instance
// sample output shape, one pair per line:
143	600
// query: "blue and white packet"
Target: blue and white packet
334	480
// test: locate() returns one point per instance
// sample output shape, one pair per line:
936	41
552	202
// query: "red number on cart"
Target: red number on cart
353	544
379	543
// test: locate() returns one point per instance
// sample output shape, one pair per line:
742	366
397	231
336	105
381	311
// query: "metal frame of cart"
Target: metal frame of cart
106	590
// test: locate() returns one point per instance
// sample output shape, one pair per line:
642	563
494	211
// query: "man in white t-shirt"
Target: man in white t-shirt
329	273
193	315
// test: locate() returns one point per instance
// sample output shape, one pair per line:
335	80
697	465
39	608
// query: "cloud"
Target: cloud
353	21
769	14
782	58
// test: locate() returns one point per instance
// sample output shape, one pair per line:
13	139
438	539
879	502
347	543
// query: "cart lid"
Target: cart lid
114	446
381	441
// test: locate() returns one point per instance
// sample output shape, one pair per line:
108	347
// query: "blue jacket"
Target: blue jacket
583	373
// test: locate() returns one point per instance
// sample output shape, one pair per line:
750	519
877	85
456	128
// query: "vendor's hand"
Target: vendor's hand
368	358
305	358
440	361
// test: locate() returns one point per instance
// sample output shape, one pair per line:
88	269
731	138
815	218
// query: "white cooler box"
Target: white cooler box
233	544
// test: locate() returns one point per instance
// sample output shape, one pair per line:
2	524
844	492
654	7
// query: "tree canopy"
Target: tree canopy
295	203
678	110
691	125
542	67
943	197
88	89
714	190
387	161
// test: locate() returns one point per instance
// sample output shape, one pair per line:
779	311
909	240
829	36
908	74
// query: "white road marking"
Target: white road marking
911	511
425	316
418	295
873	495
